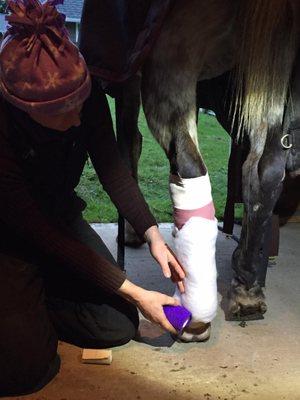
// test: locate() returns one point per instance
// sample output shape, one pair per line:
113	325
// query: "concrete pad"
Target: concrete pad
260	360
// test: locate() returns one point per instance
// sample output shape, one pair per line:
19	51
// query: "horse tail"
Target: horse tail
265	61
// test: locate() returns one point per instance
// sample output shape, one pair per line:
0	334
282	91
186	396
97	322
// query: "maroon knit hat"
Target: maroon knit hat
41	69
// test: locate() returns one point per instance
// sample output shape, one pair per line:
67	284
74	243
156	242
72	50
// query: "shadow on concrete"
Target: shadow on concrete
225	247
153	335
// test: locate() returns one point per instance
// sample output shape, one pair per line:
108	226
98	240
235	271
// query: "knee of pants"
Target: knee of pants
130	324
121	327
91	325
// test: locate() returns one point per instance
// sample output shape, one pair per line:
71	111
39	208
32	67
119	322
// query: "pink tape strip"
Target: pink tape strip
182	216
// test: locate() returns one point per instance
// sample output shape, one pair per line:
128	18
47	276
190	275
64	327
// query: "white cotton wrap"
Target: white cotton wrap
195	245
195	248
190	194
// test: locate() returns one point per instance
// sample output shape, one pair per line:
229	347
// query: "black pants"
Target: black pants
42	302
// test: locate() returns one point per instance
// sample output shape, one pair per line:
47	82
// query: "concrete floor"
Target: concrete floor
258	361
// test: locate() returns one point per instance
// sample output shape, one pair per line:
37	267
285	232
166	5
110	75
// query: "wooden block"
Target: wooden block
96	356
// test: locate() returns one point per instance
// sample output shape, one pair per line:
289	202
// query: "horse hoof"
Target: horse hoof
246	304
133	241
195	332
131	238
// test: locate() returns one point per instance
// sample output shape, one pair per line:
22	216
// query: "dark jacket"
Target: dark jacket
39	171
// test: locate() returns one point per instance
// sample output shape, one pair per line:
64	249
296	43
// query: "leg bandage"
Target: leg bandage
195	241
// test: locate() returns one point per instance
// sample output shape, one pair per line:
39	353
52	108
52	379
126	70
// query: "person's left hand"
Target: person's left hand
165	257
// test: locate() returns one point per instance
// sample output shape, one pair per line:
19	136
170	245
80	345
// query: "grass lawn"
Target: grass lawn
154	172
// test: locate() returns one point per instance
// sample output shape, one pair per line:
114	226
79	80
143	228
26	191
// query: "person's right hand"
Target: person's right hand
149	303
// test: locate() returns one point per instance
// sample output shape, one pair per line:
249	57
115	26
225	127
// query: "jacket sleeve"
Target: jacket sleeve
19	211
111	169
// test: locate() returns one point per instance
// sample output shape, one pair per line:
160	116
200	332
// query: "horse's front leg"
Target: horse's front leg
195	233
171	116
263	173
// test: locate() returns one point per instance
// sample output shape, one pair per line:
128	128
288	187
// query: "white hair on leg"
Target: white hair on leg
192	128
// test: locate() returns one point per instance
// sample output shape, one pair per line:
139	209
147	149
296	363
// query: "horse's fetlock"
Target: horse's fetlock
256	291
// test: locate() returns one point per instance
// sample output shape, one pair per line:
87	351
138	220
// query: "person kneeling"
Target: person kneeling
57	278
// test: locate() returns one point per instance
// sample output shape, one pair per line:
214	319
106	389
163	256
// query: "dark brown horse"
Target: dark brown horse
199	41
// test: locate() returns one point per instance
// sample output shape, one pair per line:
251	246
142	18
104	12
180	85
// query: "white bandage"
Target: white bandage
190	194
195	248
195	245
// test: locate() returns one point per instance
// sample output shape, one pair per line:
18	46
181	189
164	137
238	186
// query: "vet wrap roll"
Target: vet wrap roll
178	316
195	245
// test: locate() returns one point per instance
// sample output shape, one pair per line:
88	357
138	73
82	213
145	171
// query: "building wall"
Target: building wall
73	28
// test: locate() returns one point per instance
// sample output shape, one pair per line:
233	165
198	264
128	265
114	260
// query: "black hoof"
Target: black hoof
131	238
245	304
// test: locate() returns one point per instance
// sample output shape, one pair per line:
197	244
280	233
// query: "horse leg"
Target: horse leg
262	186
263	173
172	120
129	138
169	80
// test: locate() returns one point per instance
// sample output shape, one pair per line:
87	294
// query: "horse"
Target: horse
214	94
198	41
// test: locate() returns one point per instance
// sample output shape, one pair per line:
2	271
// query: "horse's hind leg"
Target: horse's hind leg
129	137
169	105
262	182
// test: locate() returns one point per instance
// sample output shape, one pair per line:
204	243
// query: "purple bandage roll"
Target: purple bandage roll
178	316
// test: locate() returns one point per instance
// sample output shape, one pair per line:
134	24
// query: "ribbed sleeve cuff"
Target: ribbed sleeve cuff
142	224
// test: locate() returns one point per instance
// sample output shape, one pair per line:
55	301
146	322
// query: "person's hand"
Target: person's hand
165	257
149	303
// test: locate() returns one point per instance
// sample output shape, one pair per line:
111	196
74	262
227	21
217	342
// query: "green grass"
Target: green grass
154	173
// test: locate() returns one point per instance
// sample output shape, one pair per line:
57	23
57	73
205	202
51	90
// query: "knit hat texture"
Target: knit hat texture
40	68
